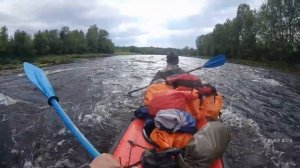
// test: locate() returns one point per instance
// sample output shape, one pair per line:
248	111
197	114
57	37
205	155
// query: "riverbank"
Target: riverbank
63	59
281	66
49	60
56	59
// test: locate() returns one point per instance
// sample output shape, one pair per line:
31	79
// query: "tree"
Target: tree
66	41
272	33
55	43
81	46
40	43
92	39
205	45
105	45
277	22
245	27
76	42
3	41
185	51
22	45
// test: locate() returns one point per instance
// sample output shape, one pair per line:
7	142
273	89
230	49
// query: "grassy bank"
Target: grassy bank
56	59
50	60
282	66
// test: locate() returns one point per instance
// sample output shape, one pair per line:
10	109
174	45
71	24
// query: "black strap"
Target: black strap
134	164
52	97
133	144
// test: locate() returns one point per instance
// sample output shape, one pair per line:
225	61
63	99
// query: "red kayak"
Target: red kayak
133	142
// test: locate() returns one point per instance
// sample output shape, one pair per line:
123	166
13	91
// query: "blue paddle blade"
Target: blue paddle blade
39	79
215	61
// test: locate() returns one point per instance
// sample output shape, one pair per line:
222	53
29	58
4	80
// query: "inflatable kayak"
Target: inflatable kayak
133	141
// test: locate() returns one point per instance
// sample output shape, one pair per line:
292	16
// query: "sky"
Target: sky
143	23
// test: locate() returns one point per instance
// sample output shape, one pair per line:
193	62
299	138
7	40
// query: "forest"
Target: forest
22	46
271	33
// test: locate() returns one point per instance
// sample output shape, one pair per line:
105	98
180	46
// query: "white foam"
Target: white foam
14	151
60	143
272	82
62	70
62	131
20	75
6	100
28	164
94	118
4	118
55	71
13	135
101	109
237	120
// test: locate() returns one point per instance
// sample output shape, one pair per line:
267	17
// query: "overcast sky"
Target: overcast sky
159	23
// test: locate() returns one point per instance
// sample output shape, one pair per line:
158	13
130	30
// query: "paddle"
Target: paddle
211	63
39	79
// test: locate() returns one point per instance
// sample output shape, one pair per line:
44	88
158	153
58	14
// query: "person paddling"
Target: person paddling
171	69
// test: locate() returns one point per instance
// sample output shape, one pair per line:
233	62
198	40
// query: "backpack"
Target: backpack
190	103
211	101
185	80
170	99
211	106
152	90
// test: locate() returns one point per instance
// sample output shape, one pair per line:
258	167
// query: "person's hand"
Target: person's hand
105	161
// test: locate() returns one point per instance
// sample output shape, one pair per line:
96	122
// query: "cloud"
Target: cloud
166	23
202	23
34	15
126	34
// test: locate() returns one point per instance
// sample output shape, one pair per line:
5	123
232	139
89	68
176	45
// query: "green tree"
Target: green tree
40	43
245	27
82	46
76	42
66	40
185	51
55	43
105	45
22	45
205	45
92	38
280	19
3	40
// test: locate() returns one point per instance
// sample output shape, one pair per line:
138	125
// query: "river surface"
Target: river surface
261	107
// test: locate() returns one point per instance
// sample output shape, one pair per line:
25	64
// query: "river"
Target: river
261	107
